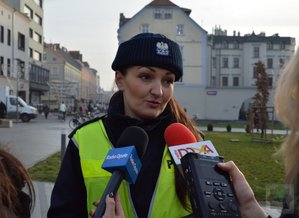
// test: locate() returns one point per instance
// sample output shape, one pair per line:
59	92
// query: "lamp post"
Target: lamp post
17	88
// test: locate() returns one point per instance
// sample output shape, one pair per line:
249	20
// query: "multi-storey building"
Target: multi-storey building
163	16
233	58
65	76
38	76
14	40
88	88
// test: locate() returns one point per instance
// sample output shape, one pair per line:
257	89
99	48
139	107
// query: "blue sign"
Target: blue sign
124	159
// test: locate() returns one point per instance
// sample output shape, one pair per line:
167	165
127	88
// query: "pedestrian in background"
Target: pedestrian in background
62	109
14	202
46	110
3	110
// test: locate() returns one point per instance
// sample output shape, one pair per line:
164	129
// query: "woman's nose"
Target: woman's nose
157	89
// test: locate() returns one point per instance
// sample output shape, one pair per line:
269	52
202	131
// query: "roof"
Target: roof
161	3
155	4
63	53
275	39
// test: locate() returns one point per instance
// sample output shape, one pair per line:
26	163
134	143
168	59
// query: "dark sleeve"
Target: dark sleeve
69	194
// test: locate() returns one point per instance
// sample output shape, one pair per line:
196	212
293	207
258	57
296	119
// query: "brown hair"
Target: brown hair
13	178
180	115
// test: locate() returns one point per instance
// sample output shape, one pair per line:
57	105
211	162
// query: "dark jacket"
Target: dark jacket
69	194
3	110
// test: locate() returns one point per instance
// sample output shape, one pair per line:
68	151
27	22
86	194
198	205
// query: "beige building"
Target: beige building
163	16
65	76
38	76
14	44
219	77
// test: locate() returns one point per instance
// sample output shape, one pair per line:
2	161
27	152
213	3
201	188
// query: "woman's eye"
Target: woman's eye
169	81
144	77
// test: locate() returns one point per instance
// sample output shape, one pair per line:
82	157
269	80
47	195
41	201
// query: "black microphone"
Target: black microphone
123	162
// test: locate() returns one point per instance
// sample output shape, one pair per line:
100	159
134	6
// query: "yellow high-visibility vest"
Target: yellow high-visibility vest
94	144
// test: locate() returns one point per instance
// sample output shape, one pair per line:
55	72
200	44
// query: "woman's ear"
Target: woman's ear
119	80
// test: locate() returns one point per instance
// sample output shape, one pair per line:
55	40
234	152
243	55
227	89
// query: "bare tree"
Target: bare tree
262	96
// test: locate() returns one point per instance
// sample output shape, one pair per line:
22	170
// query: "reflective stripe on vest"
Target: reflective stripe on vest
93	144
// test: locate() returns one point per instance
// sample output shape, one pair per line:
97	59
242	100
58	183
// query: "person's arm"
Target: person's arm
69	194
249	206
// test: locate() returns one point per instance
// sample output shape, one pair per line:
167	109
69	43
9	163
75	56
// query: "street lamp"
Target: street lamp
19	61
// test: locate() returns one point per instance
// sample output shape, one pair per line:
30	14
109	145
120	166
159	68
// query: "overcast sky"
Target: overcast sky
90	26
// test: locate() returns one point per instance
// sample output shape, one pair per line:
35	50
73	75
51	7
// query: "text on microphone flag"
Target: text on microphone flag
124	159
203	147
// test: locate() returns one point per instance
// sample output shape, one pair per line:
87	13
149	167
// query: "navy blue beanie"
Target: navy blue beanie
149	49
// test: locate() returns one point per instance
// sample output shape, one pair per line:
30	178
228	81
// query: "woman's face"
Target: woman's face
147	90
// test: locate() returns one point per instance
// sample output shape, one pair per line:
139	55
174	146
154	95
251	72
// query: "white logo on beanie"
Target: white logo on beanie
162	48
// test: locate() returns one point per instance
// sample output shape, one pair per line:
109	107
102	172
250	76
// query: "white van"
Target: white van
16	105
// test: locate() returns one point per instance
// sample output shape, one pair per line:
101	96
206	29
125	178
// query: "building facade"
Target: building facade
14	44
233	58
65	76
38	75
163	16
219	70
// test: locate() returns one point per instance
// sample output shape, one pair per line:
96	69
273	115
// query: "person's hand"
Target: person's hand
249	207
113	207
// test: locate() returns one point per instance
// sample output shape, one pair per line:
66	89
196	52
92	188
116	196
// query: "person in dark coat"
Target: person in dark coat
46	111
3	110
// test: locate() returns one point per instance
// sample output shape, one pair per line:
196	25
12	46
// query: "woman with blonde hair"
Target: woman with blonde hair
287	109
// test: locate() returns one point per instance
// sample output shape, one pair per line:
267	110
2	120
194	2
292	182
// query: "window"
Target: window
39	3
30	51
236	81
225	81
168	14
8	37
213	81
270	81
180	29
225	45
37	56
1	65
37	19
236	45
254	72
28	11
256	52
8	66
236	62
157	14
30	33
21	42
37	37
281	62
282	45
1	34
270	63
270	45
225	62
145	28
214	62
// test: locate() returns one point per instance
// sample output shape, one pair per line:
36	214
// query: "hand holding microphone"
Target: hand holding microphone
123	162
210	190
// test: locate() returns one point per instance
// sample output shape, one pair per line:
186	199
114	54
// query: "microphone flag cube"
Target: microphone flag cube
203	147
125	160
